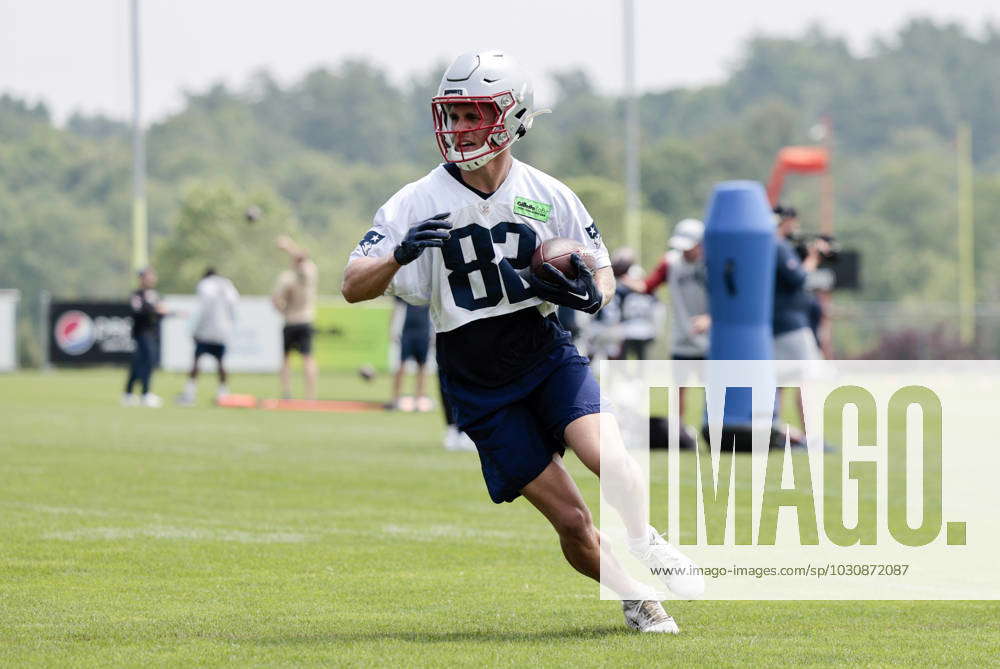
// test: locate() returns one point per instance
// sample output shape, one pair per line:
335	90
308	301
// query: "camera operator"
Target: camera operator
794	338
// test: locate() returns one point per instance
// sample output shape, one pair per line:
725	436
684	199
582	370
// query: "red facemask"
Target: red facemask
449	140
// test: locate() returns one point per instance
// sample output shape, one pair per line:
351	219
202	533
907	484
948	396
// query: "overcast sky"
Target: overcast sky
73	54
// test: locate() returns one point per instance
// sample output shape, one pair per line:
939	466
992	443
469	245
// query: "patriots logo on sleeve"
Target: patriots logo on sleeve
370	239
594	233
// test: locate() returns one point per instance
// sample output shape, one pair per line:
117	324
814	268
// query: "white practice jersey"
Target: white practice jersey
217	300
478	272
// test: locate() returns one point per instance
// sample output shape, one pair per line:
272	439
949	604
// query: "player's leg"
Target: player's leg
193	374
145	364
284	374
424	402
129	398
621	477
223	374
309	366
568	405
420	347
554	493
146	371
520	454
397	378
420	377
795	345
311	369
397	383
187	396
624	488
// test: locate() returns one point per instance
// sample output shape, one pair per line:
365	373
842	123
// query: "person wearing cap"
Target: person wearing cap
295	297
794	338
147	311
683	270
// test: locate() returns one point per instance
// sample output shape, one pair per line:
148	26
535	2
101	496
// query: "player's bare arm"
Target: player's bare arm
605	278
285	243
367	278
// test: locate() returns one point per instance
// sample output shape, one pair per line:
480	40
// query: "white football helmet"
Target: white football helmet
503	97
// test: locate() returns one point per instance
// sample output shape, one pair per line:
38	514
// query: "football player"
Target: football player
461	239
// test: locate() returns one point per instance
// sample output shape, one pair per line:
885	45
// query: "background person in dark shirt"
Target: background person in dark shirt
794	338
147	310
793	334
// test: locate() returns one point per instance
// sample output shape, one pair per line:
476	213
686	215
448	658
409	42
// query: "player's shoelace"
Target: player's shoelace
663	552
648	613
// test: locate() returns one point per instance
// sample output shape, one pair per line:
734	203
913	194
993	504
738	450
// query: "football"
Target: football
557	253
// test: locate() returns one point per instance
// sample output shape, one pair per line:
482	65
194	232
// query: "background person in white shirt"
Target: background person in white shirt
213	326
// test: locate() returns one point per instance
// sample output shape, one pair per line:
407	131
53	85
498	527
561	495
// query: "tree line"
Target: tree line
319	155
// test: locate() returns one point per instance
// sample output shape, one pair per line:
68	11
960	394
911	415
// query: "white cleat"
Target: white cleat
675	569
647	615
152	401
465	443
456	440
130	400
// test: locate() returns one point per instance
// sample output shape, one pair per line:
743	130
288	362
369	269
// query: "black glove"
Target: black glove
430	233
580	293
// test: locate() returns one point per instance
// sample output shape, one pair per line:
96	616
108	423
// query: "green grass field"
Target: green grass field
180	537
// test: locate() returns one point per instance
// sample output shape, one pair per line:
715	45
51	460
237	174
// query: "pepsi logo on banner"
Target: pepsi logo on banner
74	333
90	333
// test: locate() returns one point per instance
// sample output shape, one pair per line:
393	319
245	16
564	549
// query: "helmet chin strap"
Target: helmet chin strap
476	163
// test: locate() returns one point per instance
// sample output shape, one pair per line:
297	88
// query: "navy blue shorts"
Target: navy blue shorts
205	348
414	347
518	427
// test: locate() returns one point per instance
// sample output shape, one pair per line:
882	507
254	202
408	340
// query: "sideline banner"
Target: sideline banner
8	329
90	333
